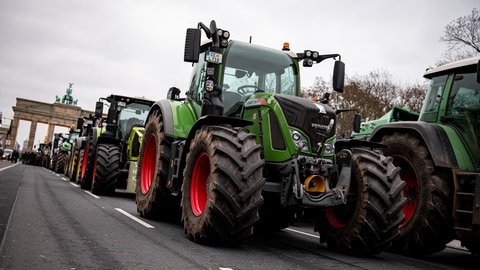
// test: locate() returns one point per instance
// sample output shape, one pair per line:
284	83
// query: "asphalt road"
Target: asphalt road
46	222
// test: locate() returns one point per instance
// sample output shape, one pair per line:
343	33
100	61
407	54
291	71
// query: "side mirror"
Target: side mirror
357	119
192	45
98	109
338	76
173	93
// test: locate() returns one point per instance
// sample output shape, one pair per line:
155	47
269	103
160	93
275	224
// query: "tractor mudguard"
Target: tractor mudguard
433	135
166	109
178	117
212	120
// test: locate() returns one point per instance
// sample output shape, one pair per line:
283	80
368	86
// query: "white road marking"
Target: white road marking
75	185
303	233
456	245
8	167
134	218
91	194
64	179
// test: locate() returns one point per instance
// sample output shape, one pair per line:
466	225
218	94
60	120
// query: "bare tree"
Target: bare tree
463	37
371	95
413	97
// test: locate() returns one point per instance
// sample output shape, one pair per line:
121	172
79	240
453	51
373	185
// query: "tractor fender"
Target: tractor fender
177	116
167	115
432	135
213	120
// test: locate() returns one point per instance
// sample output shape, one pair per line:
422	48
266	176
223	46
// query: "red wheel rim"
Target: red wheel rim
411	189
334	219
149	163
198	185
84	161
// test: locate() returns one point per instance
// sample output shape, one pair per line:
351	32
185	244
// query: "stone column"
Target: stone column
31	135
51	129
13	133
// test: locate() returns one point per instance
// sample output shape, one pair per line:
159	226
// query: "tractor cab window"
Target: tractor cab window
134	114
249	69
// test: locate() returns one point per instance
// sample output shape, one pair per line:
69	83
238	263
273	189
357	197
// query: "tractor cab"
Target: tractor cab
124	113
453	99
227	73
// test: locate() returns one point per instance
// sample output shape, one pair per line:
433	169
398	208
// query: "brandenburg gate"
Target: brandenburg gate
63	113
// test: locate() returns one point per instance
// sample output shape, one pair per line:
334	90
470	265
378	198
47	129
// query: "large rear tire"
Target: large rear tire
106	169
152	195
368	222
428	224
222	188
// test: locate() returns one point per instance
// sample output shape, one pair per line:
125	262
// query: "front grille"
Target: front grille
305	115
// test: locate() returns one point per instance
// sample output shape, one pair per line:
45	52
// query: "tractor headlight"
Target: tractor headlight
299	140
330	148
209	85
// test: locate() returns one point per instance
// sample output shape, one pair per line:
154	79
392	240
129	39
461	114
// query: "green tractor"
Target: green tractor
42	155
243	152
438	151
73	164
62	148
112	145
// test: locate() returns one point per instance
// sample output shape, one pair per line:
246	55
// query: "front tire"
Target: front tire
223	180
368	222
152	195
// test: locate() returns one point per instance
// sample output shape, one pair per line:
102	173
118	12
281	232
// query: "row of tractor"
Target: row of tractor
245	153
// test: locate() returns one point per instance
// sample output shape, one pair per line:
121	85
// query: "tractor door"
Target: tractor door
463	110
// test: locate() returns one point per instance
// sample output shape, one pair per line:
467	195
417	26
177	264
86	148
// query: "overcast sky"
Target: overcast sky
135	47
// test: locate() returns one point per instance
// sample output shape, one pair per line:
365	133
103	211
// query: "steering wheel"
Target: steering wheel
243	89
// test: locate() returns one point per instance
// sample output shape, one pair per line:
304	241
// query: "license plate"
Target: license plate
213	57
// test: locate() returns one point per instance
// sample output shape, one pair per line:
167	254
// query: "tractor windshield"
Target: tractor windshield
134	114
249	68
